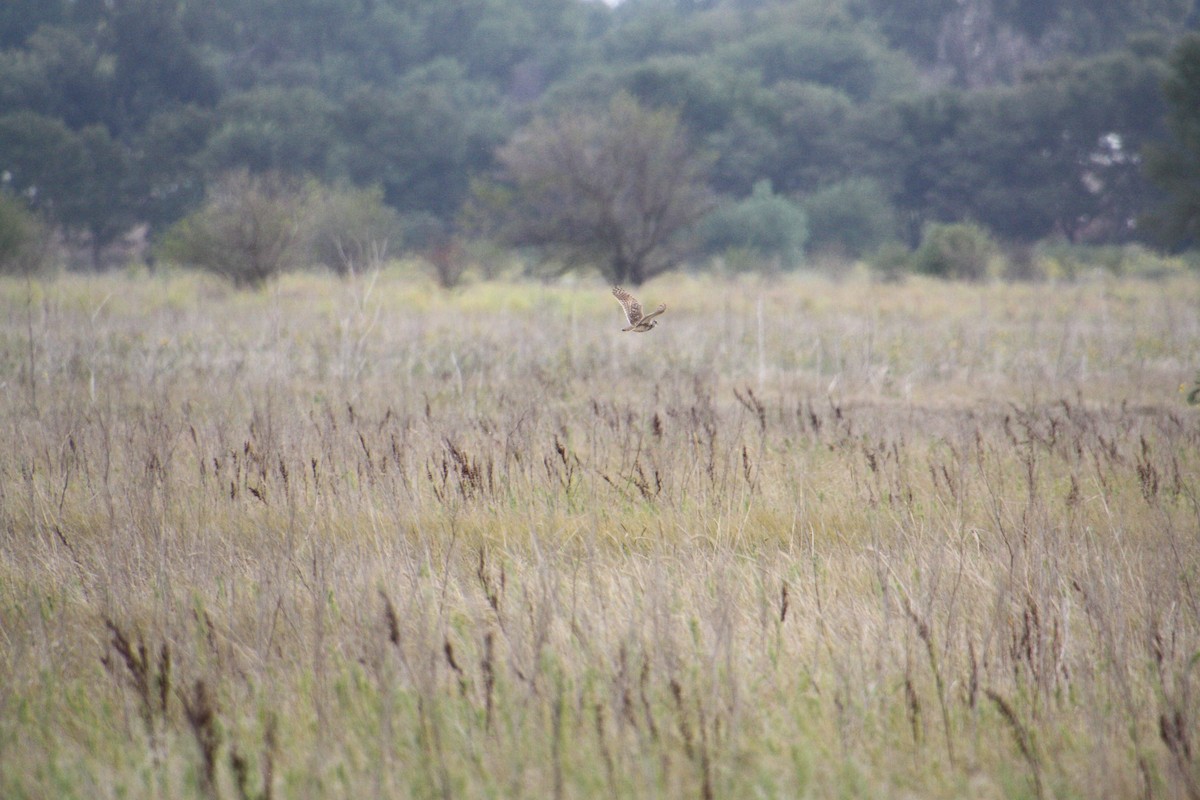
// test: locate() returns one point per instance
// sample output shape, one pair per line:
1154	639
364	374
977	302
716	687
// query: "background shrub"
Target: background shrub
764	224
891	261
851	218
959	250
24	240
1062	259
352	228
250	228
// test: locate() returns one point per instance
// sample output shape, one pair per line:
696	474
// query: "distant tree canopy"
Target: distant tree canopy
1175	165
978	42
73	177
1031	118
1055	154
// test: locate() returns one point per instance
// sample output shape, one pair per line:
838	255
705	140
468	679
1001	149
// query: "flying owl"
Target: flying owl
633	311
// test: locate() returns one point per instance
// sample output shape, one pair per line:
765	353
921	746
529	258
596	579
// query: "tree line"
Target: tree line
627	137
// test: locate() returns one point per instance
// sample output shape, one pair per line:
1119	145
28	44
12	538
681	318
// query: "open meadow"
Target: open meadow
808	538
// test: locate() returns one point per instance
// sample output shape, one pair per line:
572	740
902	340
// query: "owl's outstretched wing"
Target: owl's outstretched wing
661	308
633	309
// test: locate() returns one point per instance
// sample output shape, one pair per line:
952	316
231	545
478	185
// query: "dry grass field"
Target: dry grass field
807	538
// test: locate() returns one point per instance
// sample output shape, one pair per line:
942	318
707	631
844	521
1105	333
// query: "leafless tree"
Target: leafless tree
609	189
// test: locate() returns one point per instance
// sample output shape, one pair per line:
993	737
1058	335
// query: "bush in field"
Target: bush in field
24	240
765	225
1064	260
352	228
250	228
959	250
1141	261
891	261
852	218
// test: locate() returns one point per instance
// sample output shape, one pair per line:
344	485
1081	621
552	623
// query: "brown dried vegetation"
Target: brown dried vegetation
923	539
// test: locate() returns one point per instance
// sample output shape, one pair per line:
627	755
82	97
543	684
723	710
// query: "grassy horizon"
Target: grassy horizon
806	538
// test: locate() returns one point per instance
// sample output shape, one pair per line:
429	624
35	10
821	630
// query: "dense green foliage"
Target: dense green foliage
955	250
764	225
852	217
1175	165
351	228
1031	119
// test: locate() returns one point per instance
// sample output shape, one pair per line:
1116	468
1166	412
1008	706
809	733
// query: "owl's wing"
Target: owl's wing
661	308
633	309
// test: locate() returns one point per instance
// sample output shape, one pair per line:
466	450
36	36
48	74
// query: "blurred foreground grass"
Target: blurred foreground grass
806	538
